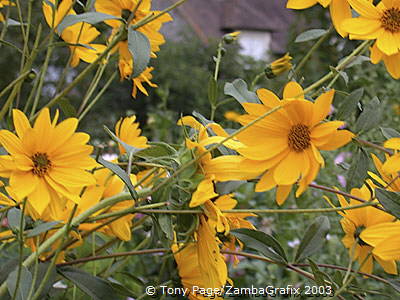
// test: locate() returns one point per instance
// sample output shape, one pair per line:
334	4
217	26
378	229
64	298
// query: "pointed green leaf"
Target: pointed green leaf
389	200
95	287
121	174
358	169
139	47
264	243
24	286
310	35
313	239
370	116
14	219
349	104
238	90
389	133
89	17
43	227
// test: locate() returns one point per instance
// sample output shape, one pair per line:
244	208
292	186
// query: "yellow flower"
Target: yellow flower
339	9
381	22
390	181
2	4
79	33
355	222
285	145
128	131
49	160
392	163
279	66
231	37
123	9
392	62
201	263
222	168
108	185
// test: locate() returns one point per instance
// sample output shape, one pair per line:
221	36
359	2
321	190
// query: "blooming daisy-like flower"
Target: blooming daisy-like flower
380	22
339	9
392	62
124	9
221	168
392	163
356	222
284	146
128	131
79	33
389	180
50	161
201	263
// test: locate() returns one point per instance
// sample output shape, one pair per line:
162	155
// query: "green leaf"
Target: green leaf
238	90
165	222
318	274
157	149
370	116
139	47
313	239
43	227
355	61
389	133
310	35
24	286
389	200
14	219
349	104
67	108
264	243
95	287
395	284
121	174
212	91
358	169
89	17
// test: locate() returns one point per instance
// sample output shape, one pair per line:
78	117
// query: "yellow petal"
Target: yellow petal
204	192
296	4
340	10
322	106
393	143
293	90
389	249
21	122
282	192
365	8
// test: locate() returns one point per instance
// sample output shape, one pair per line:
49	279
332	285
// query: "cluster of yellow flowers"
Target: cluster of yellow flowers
84	33
379	22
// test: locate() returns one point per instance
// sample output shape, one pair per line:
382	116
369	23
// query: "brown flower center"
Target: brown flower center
391	19
41	164
299	138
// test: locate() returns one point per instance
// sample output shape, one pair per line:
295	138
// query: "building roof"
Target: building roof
212	18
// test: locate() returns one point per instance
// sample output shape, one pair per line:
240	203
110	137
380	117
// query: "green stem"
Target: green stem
310	52
75	222
126	211
363	46
372	145
98	96
10	85
21	248
55	257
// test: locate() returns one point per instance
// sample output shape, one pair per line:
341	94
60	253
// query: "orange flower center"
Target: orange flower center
299	138
41	164
391	20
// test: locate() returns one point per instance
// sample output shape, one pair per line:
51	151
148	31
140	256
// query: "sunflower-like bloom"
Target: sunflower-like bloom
50	161
201	264
389	180
380	22
2	4
339	9
128	131
356	223
222	168
79	33
392	62
279	66
108	185
285	145
392	163
123	9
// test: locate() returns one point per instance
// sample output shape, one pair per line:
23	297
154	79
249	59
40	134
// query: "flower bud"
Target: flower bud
278	66
229	38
